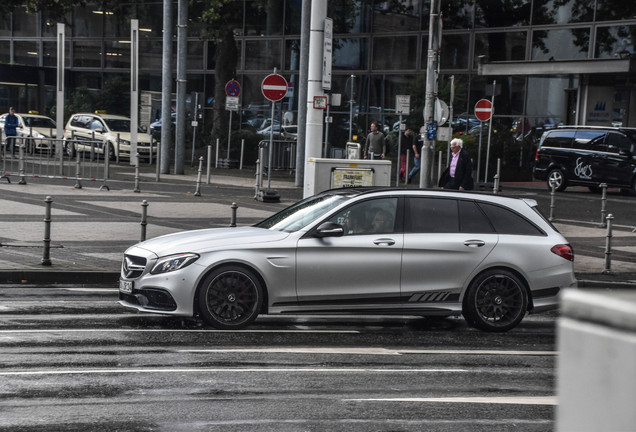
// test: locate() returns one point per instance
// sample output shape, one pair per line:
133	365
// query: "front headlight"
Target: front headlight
174	262
124	142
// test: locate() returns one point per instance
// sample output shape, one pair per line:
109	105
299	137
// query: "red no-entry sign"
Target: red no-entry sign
483	109
274	87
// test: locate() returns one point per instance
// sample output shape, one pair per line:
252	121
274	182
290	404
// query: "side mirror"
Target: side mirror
329	229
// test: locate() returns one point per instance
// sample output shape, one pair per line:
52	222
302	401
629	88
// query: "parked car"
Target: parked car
587	156
360	250
84	131
38	127
155	127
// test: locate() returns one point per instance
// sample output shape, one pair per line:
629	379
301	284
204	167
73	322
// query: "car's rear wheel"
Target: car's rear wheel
496	301
230	298
557	178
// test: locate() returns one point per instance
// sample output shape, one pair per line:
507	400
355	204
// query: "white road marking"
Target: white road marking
97	330
516	400
369	351
228	370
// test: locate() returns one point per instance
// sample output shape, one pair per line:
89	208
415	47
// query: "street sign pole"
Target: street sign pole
274	88
483	112
492	104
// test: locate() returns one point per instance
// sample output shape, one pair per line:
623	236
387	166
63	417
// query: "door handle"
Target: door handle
474	243
384	241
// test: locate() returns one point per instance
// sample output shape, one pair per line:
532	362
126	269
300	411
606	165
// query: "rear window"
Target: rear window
558	138
508	222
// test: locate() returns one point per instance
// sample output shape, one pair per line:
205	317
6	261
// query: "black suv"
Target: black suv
587	156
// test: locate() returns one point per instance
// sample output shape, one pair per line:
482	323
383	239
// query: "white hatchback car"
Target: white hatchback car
86	132
365	251
38	127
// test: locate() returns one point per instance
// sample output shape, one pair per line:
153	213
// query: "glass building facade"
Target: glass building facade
553	61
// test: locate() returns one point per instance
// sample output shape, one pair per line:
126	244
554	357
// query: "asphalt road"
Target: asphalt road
74	360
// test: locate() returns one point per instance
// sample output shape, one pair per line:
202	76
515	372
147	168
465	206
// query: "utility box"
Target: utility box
597	352
353	150
323	174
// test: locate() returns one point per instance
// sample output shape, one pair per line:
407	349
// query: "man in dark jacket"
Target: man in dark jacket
459	174
10	125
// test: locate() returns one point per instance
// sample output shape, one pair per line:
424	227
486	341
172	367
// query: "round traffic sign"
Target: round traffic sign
483	109
274	87
232	88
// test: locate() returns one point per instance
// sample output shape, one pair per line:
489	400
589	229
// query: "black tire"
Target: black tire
69	148
557	177
496	301
111	152
230	298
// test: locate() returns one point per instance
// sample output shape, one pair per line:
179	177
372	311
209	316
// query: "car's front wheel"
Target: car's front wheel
496	301
230	298
557	178
69	147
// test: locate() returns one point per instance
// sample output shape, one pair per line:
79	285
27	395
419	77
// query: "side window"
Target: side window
590	139
472	219
96	124
558	138
76	122
368	217
508	222
431	215
616	142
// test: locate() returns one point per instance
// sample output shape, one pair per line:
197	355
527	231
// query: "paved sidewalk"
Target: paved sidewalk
93	227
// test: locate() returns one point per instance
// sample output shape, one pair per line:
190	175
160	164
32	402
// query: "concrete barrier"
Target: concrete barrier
597	361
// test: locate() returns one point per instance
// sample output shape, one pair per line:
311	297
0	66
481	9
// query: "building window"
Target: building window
263	19
117	54
390	53
396	16
493	13
195	55
455	14
262	54
351	53
561	44
87	21
24	24
455	51
560	12
26	53
509	46
615	41
150	54
611	10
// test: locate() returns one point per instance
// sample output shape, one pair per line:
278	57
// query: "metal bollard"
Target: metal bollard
46	254
136	189
552	195
495	187
233	218
78	185
144	219
21	162
608	246
603	187
198	190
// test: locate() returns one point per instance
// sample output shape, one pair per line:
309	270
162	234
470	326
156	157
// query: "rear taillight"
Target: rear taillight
536	155
564	251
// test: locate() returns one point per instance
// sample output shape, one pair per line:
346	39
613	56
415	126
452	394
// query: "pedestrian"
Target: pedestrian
405	146
417	161
10	130
459	173
375	144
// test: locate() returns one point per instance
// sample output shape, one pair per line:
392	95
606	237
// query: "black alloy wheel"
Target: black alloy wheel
230	298
496	301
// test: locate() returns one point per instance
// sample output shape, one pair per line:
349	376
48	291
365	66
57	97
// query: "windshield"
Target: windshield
302	213
39	122
120	125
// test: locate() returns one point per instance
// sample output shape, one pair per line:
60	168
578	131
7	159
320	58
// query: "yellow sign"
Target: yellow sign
343	177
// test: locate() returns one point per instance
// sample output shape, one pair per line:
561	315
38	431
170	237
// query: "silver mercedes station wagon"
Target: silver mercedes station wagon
387	251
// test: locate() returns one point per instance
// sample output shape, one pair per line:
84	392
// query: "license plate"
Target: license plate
125	286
